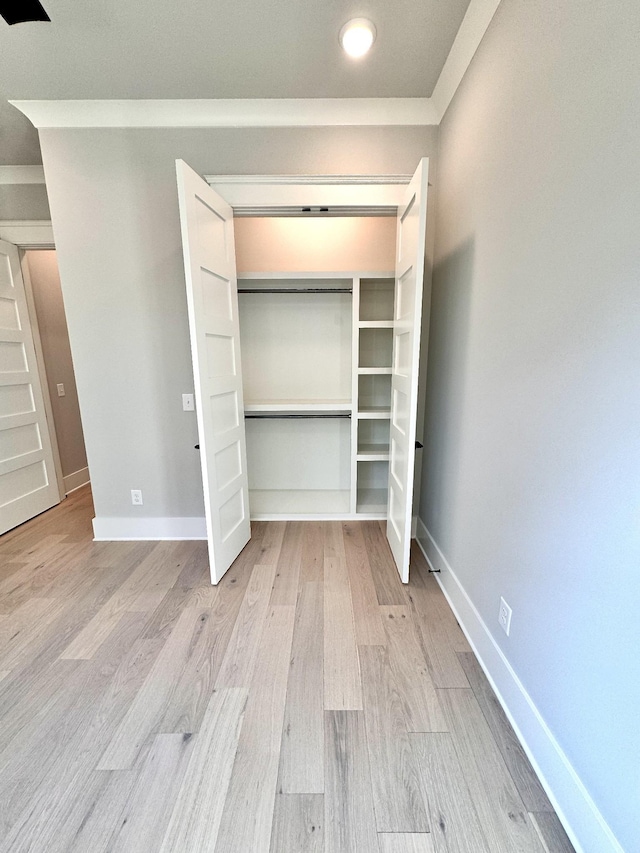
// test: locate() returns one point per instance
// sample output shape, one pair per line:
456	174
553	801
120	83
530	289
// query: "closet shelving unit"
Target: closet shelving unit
372	356
316	365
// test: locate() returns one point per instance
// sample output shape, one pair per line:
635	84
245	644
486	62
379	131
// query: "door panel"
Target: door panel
212	299
412	224
28	482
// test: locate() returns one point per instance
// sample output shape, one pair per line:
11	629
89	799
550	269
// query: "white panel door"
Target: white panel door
410	249
28	482
212	299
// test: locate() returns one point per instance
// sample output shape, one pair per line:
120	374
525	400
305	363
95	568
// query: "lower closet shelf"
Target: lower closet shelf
298	502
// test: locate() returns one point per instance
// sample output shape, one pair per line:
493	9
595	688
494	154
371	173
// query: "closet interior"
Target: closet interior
316	350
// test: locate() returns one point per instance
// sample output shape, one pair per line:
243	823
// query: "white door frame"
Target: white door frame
36	234
370	193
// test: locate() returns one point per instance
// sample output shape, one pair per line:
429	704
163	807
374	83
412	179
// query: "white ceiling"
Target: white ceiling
216	49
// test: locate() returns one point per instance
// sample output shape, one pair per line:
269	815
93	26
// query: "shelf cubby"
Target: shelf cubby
375	349
373	440
376	299
374	391
372	486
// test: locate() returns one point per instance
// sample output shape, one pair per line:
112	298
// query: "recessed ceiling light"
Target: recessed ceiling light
357	36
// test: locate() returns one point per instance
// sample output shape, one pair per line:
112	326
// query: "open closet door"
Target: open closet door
28	482
410	249
212	299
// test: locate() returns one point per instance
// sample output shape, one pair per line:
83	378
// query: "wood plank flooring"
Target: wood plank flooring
310	703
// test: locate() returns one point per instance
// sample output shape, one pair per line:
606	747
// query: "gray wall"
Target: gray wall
24	201
54	337
115	216
532	462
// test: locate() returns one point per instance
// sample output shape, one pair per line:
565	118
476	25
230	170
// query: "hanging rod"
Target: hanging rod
295	290
296	415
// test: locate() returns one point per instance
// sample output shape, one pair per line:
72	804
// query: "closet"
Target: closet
305	373
316	350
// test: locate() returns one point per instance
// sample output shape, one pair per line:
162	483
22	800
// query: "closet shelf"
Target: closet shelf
320	406
293	415
373	453
374	371
375	324
371	412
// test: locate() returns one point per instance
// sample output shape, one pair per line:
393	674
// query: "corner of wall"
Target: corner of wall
571	800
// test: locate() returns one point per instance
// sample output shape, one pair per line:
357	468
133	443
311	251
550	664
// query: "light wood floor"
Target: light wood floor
308	703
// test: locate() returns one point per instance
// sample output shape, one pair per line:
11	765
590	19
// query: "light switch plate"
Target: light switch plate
61	391
188	404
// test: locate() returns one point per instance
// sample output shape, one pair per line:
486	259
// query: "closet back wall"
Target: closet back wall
334	244
115	214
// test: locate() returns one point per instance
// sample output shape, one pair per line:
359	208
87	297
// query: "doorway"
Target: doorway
33	477
42	266
212	299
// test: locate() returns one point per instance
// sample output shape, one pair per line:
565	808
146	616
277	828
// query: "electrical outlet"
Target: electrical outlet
188	404
504	616
136	497
61	391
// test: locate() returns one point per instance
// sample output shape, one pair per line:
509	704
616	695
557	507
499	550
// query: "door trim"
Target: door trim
36	234
28	233
365	192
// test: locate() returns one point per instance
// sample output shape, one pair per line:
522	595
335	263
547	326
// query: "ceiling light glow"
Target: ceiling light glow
357	36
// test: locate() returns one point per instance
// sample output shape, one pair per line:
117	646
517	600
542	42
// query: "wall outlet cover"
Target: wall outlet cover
136	497
504	616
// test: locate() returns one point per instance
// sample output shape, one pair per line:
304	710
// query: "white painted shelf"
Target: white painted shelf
301	275
374	371
373	453
375	324
374	412
321	406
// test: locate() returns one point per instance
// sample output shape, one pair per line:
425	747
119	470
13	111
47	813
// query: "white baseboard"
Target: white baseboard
583	822
117	529
76	480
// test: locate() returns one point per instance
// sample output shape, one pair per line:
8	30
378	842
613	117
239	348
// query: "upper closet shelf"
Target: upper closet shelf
302	275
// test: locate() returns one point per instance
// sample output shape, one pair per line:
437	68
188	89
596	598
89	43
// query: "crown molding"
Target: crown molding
474	25
276	112
309	112
21	175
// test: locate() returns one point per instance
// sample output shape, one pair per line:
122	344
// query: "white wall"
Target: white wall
531	477
115	216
